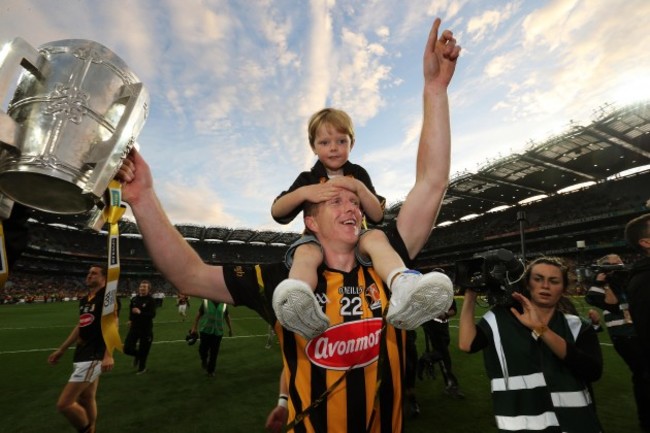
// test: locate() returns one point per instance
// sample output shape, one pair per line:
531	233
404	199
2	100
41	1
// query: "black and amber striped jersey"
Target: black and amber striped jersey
90	343
355	367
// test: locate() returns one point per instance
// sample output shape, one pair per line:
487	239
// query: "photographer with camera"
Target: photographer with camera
637	235
540	361
607	292
607	279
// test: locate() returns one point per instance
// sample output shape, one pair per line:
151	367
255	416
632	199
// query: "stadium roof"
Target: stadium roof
617	141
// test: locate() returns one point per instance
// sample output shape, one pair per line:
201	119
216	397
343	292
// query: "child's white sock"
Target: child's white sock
394	274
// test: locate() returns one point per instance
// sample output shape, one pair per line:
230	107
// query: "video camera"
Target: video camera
495	273
615	275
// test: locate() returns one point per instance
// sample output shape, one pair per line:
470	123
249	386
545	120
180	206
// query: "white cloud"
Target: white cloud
383	32
581	44
196	203
498	66
489	21
320	56
277	31
360	76
232	86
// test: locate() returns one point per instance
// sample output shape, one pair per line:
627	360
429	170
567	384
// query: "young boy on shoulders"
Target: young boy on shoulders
331	137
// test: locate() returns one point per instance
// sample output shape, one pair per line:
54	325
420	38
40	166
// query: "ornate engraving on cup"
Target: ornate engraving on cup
69	102
76	113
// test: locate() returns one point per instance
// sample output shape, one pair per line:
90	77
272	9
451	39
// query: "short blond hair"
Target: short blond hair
339	119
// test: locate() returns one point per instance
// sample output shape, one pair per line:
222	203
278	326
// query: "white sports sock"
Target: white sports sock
393	274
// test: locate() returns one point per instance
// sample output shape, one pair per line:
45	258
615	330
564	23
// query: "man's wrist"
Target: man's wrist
435	88
283	400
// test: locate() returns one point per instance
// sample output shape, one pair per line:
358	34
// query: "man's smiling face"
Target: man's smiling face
338	219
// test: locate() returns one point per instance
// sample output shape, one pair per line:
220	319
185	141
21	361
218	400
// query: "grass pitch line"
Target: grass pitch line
162	322
52	349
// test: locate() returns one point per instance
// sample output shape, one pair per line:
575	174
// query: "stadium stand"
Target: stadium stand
570	196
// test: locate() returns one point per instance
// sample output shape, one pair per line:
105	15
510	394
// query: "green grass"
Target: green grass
176	396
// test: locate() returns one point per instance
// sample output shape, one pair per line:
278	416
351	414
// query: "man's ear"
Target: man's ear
311	224
645	243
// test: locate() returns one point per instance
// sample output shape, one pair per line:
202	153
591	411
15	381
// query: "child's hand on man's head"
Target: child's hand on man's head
320	192
346	182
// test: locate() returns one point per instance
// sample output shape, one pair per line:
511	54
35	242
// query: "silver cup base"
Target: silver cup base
45	193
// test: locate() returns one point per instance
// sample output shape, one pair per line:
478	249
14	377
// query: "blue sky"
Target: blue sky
233	83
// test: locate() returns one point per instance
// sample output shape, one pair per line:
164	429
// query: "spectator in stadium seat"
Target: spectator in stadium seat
353	297
541	362
142	311
607	292
637	235
77	400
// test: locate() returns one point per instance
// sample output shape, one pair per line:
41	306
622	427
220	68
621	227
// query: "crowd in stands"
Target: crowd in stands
553	220
31	288
562	209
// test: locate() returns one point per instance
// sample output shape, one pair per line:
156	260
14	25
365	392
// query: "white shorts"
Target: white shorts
182	308
87	371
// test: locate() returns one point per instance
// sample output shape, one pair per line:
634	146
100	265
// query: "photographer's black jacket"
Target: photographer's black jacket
147	306
638	291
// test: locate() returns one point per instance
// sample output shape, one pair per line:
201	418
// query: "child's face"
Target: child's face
332	147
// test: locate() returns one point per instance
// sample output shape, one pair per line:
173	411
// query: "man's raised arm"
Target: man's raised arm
420	209
171	254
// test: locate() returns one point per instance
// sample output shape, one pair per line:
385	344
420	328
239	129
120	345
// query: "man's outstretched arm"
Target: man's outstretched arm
170	252
420	209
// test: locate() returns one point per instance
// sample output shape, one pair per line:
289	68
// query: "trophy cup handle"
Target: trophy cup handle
6	205
17	53
107	161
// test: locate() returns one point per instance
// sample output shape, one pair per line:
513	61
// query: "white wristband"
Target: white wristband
283	400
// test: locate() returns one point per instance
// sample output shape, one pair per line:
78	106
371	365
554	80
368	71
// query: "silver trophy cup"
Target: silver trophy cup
75	114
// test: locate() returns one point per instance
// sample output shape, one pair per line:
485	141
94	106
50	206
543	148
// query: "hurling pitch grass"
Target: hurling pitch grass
176	396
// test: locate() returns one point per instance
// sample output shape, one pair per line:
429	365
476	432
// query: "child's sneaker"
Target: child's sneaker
297	309
418	298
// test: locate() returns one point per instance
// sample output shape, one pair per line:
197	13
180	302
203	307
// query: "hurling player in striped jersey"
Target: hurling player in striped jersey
331	137
349	378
